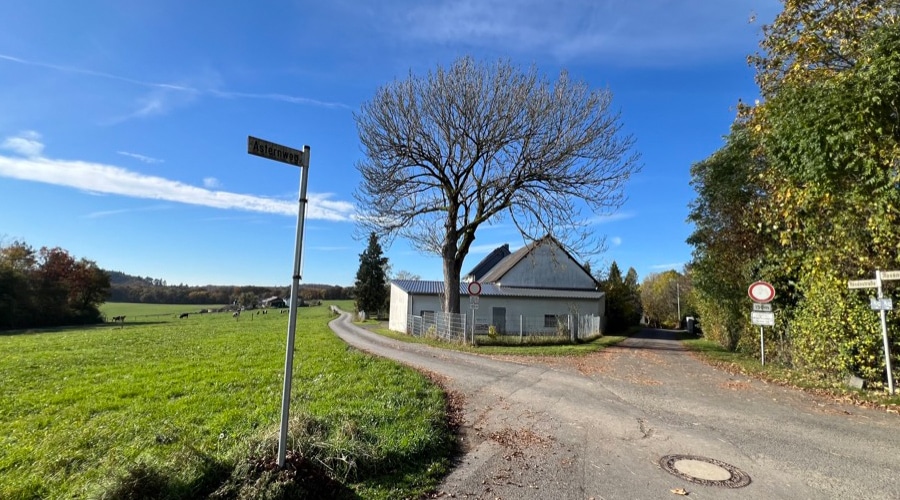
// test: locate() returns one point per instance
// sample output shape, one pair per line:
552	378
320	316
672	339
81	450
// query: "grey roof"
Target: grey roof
498	254
417	287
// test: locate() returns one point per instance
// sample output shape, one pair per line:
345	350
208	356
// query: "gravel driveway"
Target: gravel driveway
597	426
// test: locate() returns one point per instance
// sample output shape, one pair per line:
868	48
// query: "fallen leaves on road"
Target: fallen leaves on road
680	491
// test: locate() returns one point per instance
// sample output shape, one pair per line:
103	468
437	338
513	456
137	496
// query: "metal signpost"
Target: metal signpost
761	293
474	289
284	154
881	305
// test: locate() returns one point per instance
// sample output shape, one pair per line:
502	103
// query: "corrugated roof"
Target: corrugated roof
416	287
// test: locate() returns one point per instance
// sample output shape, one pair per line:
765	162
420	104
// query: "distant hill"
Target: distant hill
128	288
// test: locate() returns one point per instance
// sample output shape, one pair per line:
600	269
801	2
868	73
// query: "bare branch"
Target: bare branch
473	143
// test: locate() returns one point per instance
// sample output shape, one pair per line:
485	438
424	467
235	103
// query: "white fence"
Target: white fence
460	327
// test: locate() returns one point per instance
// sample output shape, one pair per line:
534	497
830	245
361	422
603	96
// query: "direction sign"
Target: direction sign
762	307
272	151
881	304
890	275
862	284
761	292
762	318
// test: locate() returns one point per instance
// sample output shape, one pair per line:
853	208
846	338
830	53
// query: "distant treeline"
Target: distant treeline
127	288
48	287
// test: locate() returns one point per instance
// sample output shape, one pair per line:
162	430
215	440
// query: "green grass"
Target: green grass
552	348
133	311
750	365
179	405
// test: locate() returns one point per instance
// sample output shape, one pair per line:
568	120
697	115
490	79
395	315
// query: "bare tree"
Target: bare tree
477	143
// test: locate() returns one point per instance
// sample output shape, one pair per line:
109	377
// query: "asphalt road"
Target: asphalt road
596	427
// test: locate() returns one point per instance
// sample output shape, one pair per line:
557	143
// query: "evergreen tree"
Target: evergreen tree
633	310
616	299
371	280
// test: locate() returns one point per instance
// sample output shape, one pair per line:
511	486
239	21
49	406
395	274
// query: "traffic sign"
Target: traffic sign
890	275
762	307
474	288
272	151
862	284
881	304
761	292
762	318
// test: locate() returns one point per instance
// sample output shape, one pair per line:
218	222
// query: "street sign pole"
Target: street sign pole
887	348
292	319
762	347
284	154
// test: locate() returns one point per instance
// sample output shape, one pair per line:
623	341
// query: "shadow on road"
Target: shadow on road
655	339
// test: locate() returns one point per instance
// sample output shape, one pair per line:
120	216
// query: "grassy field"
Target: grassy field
180	408
135	311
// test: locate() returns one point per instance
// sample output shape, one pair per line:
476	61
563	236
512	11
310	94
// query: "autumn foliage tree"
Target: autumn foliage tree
476	143
806	191
48	288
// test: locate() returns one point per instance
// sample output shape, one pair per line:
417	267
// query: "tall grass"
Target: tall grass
177	406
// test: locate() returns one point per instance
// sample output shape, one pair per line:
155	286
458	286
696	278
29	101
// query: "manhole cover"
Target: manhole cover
705	471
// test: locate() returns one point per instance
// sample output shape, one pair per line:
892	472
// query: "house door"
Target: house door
498	319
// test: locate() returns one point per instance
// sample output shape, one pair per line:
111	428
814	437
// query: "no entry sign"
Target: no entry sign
761	292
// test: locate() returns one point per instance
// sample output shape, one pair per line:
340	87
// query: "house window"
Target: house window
550	320
427	316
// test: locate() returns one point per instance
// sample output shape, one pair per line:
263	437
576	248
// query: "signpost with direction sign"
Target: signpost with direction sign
761	293
880	304
284	154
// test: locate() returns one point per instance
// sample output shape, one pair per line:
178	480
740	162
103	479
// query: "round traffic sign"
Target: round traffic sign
761	292
475	288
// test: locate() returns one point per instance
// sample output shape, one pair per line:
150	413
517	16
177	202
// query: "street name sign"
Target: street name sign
890	275
272	151
762	318
881	304
862	284
762	307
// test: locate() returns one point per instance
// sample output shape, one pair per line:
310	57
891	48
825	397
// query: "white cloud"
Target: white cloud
26	144
107	213
156	103
616	241
672	265
604	219
108	179
645	32
211	182
145	159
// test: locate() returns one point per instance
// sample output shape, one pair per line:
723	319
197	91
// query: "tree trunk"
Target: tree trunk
452	268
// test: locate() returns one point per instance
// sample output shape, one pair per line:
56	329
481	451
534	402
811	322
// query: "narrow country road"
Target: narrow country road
597	427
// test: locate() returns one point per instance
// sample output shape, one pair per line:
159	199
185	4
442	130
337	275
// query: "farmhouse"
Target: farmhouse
537	288
274	302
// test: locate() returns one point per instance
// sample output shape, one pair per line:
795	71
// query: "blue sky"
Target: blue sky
124	125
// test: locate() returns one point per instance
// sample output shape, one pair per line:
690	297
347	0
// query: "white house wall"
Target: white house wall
531	310
399	308
548	267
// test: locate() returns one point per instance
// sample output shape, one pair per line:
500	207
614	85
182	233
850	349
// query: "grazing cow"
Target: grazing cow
183	315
